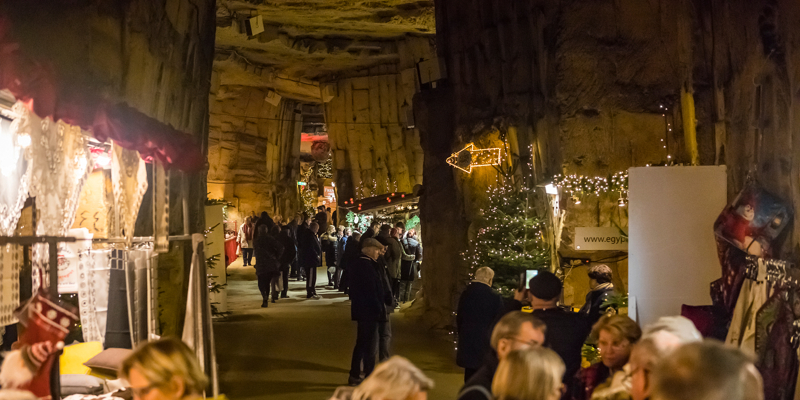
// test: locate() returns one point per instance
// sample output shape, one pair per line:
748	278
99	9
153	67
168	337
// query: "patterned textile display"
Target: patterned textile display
11	260
129	179
14	184
776	358
193	330
93	280
60	163
161	208
138	276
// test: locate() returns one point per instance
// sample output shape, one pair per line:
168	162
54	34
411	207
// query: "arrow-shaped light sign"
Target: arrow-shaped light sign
469	157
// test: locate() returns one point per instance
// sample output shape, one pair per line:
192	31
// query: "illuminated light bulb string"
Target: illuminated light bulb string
579	186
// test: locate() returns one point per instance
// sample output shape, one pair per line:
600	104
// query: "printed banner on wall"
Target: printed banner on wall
600	238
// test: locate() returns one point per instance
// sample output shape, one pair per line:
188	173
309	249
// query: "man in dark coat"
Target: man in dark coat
287	258
479	307
566	330
371	302
302	227
352	251
602	289
268	251
310	257
514	331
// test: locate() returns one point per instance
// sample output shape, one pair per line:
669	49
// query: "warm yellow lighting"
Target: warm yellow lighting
469	157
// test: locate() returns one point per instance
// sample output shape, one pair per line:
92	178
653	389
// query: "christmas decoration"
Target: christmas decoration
469	157
580	185
512	239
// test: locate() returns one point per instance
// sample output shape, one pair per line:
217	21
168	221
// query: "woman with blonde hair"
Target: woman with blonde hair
164	369
532	374
394	379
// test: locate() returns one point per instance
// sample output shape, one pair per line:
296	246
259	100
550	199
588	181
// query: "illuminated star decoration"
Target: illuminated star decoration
469	157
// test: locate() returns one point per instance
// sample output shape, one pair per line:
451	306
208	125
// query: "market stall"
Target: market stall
69	258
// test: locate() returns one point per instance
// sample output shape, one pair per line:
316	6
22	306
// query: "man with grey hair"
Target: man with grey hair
478	309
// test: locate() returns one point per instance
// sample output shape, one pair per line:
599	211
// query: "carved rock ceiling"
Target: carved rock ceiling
310	41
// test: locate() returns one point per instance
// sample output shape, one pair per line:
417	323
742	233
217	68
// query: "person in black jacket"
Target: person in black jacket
409	267
479	307
371	302
514	331
287	258
322	220
352	251
566	330
602	289
310	257
268	251
302	227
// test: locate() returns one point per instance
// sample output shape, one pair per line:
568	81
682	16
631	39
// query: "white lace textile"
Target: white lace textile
60	163
14	182
129	179
94	273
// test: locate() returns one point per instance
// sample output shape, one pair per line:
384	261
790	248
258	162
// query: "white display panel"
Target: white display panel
672	252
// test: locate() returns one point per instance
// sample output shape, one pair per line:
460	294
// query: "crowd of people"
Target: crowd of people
296	250
510	354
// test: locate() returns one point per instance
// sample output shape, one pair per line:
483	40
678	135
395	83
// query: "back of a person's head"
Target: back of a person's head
680	327
545	285
509	326
263	229
600	272
162	360
385	229
709	371
484	275
275	230
394	379
619	325
652	348
532	374
356	236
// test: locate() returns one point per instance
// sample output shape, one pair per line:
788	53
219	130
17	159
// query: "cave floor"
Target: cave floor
301	349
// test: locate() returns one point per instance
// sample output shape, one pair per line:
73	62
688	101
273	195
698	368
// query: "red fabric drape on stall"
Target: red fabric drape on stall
38	84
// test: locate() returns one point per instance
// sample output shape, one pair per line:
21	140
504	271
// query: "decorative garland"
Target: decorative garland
585	185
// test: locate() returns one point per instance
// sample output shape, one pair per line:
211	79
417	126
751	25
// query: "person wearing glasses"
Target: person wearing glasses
164	369
514	331
532	374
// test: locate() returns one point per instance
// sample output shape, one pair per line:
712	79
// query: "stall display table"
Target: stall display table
230	251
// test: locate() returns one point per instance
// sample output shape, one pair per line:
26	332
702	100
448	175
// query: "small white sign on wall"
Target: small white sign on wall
600	238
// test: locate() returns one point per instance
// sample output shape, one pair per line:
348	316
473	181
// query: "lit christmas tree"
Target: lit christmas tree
511	239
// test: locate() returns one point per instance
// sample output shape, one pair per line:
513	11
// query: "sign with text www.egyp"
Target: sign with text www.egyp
600	238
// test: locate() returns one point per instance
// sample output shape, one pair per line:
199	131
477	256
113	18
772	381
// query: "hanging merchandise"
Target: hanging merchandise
93	285
749	225
129	178
60	163
47	322
161	179
14	183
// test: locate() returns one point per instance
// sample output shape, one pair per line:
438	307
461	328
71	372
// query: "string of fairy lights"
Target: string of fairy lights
578	186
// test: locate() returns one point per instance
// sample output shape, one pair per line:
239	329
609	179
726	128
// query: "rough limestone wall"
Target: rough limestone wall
374	151
254	150
593	87
155	56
